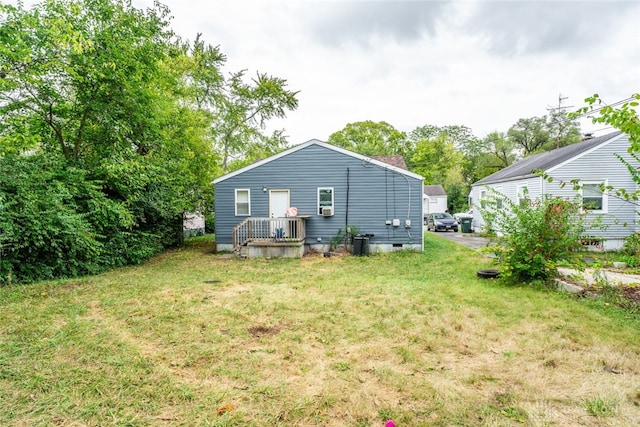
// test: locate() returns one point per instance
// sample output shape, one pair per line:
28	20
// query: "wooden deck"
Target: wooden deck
275	237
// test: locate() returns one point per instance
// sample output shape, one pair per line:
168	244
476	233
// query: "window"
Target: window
243	202
325	198
483	199
498	196
593	199
522	194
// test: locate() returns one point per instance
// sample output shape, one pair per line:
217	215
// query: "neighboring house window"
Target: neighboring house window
523	194
325	198
483	199
592	197
498	197
243	202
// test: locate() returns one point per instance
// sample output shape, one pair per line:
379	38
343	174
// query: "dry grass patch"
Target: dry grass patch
194	338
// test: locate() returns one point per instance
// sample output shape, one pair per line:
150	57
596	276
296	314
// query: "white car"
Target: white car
468	214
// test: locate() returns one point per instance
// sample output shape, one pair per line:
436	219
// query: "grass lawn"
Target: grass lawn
197	339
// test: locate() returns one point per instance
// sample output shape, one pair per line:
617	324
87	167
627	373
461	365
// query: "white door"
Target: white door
278	204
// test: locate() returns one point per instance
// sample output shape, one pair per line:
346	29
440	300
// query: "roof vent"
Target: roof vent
587	136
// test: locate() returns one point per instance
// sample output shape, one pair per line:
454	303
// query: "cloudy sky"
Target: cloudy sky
483	64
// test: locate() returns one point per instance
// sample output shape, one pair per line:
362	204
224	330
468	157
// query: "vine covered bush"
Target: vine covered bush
534	236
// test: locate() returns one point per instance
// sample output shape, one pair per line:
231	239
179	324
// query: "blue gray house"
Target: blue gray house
592	163
307	196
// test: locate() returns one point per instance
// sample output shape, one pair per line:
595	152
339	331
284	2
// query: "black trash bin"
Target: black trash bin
361	245
465	224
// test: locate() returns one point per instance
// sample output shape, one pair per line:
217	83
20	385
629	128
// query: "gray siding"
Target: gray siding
375	195
509	189
597	165
601	164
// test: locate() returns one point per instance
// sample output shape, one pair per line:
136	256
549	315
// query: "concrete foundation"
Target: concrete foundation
275	249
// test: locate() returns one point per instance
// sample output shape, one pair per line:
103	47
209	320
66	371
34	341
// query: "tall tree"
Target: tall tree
459	136
371	139
244	109
486	156
563	130
529	135
85	75
96	90
435	159
456	169
202	68
503	150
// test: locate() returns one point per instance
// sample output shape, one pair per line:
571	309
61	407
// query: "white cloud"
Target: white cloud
482	64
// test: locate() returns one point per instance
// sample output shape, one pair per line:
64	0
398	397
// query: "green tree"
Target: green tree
461	137
435	158
529	135
624	118
95	98
242	113
371	139
455	171
85	75
202	65
563	130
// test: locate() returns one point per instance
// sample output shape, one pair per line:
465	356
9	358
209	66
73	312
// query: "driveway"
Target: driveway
470	240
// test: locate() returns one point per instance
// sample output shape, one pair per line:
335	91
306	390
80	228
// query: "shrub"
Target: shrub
631	245
534	236
57	221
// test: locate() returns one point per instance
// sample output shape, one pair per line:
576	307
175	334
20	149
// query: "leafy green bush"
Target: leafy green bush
43	234
57	221
631	245
534	236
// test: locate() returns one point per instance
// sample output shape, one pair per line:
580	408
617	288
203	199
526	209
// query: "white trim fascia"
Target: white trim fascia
514	180
584	153
324	145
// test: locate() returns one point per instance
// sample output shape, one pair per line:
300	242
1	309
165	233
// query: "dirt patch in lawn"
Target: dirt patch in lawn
263	330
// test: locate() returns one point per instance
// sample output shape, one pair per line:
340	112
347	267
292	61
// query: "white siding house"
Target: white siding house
590	163
434	199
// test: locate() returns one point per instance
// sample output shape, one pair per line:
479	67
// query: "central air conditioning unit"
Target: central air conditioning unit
327	211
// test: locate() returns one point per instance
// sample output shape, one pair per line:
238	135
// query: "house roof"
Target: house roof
397	161
295	148
545	161
434	190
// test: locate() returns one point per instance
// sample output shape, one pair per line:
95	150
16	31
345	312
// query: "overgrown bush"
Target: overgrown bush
534	236
57	221
631	246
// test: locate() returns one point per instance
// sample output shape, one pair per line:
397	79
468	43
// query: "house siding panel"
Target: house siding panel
599	163
375	195
509	189
602	165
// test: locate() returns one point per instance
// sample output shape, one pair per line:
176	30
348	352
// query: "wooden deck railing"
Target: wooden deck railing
269	230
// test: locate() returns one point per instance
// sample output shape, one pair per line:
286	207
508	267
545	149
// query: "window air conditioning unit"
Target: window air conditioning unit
327	211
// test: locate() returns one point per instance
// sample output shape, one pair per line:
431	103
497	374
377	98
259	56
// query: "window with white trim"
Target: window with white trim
593	199
243	202
325	198
498	196
483	199
522	192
